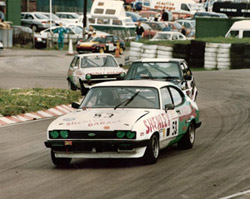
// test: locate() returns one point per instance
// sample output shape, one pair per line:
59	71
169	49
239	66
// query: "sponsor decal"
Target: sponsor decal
92	123
156	123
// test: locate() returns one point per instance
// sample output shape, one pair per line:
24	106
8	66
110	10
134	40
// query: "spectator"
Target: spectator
166	28
139	31
60	30
90	31
1	15
164	15
183	30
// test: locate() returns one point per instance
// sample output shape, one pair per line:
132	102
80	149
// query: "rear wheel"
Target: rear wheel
153	149
60	162
187	141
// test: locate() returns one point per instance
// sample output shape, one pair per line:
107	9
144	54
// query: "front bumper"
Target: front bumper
97	148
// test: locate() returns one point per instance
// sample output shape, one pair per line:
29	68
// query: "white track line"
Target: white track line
237	194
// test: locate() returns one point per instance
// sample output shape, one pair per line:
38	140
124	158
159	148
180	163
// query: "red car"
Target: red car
107	43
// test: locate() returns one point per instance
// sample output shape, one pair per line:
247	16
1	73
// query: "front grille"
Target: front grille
92	135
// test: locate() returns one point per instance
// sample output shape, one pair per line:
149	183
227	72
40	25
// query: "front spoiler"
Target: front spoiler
97	148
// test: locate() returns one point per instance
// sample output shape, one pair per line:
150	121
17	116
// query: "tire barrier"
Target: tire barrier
237	56
198	54
165	52
135	52
149	51
210	56
182	51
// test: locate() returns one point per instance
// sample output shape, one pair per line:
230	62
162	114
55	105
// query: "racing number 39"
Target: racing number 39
174	128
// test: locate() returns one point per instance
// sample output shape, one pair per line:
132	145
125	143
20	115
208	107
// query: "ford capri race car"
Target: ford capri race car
88	69
124	119
106	43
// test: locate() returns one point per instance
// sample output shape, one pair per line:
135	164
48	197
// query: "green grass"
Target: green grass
18	101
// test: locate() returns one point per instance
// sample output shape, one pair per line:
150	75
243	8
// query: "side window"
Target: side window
165	97
184	7
109	39
177	96
74	62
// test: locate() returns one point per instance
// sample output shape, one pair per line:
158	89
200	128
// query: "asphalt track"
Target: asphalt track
217	166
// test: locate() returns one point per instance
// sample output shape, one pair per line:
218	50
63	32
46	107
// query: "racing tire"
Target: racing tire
187	141
71	86
60	162
153	149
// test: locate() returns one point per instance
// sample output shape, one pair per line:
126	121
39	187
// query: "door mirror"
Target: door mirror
188	77
75	105
169	107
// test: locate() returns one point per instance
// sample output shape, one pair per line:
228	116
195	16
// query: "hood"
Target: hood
98	120
100	71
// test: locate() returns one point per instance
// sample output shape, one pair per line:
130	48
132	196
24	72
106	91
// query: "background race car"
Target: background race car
106	43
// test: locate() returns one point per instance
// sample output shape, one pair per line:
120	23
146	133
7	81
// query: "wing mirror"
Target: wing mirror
75	105
188	77
169	107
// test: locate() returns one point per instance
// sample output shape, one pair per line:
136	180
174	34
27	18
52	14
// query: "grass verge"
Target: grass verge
19	101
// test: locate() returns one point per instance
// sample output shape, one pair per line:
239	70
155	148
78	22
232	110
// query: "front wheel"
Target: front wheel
153	149
60	162
72	86
187	141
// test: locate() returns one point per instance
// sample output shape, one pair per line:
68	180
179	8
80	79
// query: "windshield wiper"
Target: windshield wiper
127	101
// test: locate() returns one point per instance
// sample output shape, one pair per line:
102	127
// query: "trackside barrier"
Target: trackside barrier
198	54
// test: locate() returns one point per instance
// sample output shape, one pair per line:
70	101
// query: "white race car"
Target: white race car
124	119
86	70
1	46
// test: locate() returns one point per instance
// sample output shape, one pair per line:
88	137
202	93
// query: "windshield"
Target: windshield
154	70
76	29
122	97
98	61
96	39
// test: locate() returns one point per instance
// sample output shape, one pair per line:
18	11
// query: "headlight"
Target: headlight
54	134
88	76
59	134
126	134
122	74
64	134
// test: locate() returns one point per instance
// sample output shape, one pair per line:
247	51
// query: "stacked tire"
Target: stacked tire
149	51
165	52
236	53
197	51
136	50
182	51
223	56
210	56
246	56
